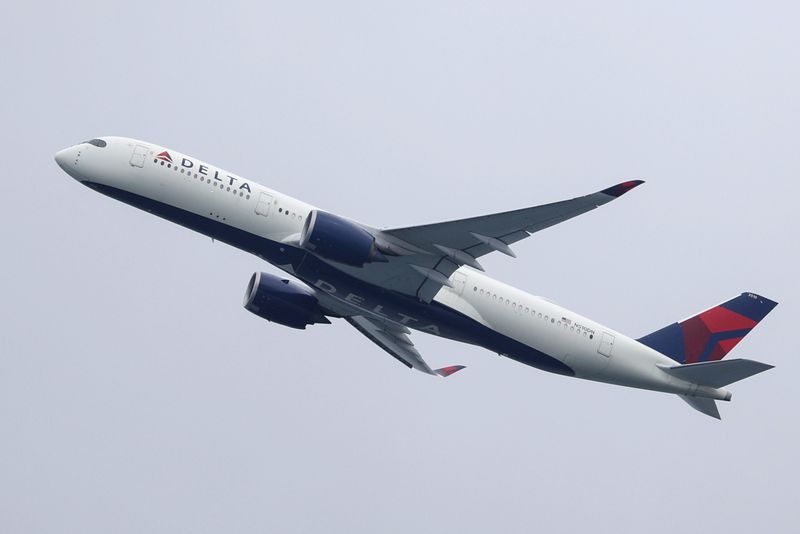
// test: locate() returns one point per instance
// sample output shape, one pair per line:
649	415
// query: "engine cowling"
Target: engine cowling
338	239
282	301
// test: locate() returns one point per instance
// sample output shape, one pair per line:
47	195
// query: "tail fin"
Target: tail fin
710	335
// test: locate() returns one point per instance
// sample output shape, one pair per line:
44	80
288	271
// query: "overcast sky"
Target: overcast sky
136	395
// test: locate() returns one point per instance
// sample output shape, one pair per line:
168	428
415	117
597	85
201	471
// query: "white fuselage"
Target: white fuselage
591	350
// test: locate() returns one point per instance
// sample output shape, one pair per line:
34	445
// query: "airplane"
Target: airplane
388	282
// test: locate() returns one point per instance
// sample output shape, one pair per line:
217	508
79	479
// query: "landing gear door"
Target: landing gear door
139	155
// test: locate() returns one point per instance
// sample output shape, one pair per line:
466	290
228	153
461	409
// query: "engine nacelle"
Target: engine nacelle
282	301
338	239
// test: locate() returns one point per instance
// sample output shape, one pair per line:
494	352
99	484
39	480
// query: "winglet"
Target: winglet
449	370
620	189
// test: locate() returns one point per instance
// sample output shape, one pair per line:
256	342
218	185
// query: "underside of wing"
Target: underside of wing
420	259
477	236
395	340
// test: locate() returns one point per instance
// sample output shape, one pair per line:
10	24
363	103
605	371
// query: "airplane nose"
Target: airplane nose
63	158
68	160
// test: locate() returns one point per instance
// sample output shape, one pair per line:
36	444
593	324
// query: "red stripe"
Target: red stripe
721	319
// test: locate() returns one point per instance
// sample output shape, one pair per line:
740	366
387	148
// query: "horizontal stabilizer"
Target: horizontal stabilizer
716	374
449	370
702	404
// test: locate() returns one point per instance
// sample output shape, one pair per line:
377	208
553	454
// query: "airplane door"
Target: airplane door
606	344
263	204
459	281
139	155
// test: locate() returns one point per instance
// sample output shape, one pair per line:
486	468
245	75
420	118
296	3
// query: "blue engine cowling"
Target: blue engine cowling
282	301
338	239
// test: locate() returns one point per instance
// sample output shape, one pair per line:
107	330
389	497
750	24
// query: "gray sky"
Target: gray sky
136	395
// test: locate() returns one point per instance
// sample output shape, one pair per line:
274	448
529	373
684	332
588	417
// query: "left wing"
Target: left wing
393	338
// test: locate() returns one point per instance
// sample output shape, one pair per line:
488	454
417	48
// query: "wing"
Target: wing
425	256
394	339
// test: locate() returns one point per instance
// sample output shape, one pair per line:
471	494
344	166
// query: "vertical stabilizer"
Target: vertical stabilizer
710	335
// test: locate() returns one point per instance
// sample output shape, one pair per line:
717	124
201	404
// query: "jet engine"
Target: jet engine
338	239
282	301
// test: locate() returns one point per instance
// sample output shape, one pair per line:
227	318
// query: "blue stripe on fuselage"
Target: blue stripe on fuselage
409	310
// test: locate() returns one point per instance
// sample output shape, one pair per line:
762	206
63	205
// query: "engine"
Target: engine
338	239
282	301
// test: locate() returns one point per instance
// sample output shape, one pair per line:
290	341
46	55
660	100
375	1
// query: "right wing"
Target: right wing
393	338
422	258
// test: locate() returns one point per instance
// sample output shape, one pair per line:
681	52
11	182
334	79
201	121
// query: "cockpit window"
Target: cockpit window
97	142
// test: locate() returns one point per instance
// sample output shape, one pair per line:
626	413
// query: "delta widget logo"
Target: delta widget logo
164	156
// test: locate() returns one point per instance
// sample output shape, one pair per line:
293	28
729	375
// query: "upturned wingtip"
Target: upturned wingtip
449	370
622	188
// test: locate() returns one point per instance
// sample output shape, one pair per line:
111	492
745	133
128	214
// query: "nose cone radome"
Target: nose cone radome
62	158
67	159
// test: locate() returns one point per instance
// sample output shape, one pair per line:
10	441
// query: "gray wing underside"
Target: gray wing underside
435	251
393	339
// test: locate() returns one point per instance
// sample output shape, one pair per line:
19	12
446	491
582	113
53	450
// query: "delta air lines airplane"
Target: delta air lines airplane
388	282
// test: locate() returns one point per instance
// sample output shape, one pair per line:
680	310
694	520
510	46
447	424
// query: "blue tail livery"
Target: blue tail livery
712	334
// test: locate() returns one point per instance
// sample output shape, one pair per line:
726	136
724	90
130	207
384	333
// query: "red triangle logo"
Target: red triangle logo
164	156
